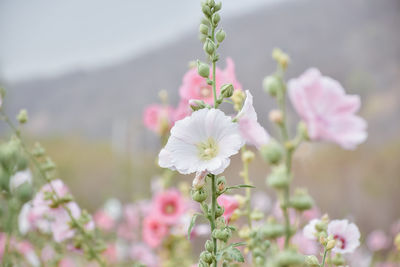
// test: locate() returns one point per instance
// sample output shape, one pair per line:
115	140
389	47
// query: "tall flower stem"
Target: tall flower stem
213	208
246	179
77	224
324	258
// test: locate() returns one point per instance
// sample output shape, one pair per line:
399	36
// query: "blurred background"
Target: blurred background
85	70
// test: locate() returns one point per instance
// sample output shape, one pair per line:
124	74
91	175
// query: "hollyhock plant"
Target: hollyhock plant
169	206
327	110
154	230
346	234
195	87
202	142
230	204
249	127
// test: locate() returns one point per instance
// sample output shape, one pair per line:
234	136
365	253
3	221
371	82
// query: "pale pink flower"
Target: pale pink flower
158	118
103	220
20	178
249	127
154	231
327	110
309	231
67	262
311	214
129	227
230	204
169	206
58	185
195	87
304	244
346	235
26	249
181	111
48	253
143	254
378	240
111	253
203	141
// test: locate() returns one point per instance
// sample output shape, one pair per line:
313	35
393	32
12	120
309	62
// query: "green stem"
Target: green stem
80	228
246	180
324	258
213	208
214	86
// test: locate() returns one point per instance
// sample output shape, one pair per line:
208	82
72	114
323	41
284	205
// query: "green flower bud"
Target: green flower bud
338	260
203	69
22	116
279	178
206	257
220	35
219	211
272	85
206	10
203	29
272	152
272	230
209	47
311	261
289	258
221	183
24	192
217	6
302	130
227	90
203	264
203	38
259	261
257	252
221	234
209	246
301	200
216	18
211	3
256	215
199	195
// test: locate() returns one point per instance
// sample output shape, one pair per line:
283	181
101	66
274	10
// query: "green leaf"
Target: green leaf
240	186
192	222
232	253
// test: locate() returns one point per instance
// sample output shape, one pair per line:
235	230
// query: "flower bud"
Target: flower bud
24	192
199	181
301	200
256	215
203	69
276	116
197	104
278	178
248	156
260	261
221	234
311	261
289	258
203	264
199	195
203	29
206	10
206	257
271	85
209	246
209	47
216	18
244	233
238	98
220	36
221	183
272	152
331	244
227	90
397	241
22	116
217	6
219	211
211	3
302	130
272	230
338	260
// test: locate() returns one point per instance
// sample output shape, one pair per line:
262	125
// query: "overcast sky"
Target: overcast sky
50	37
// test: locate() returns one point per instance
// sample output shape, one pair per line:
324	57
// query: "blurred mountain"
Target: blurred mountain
355	41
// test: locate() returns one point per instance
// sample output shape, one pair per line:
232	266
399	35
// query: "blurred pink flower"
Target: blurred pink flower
169	206
143	254
309	231
377	240
48	253
346	235
387	264
311	214
249	127
67	262
195	87
128	229
158	118
111	253
229	203
181	111
154	231
304	244
103	220
326	109
26	249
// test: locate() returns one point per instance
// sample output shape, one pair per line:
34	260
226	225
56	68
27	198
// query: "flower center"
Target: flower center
205	91
169	208
341	242
208	150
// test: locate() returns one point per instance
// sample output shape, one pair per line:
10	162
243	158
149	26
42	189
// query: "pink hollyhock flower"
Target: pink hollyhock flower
154	231
203	141
143	254
181	111
309	231
67	262
311	214
48	253
103	220
26	249
158	118
326	109
346	235
111	253
249	127
304	244
169	206
195	87
230	204
377	240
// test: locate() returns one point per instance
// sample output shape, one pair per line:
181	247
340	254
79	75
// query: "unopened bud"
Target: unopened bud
203	69
289	258
238	98
227	90
216	18
272	152
220	35
206	10
271	85
311	261
209	246
163	95
22	116
301	200
209	47
203	29
199	181
276	116
196	104
331	244
217	6
206	257
248	156
279	177
199	195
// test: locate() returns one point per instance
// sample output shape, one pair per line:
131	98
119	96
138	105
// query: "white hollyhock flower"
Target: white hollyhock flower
346	234
309	231
201	142
249	127
20	178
